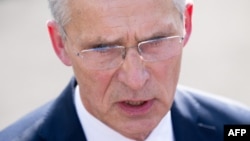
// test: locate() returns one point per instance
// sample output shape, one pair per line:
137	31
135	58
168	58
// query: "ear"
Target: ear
57	42
188	21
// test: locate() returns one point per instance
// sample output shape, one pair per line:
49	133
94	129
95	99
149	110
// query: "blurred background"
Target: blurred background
216	60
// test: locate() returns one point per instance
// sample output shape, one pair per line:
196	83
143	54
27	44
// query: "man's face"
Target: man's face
134	97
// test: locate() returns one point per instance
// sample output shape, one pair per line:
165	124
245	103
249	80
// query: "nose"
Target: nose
133	72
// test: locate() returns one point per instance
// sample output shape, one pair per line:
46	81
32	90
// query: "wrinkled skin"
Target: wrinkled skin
149	85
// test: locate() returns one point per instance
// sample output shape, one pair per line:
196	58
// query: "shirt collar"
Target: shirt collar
91	126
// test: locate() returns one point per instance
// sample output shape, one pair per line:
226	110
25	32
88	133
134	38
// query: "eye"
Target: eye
153	46
100	46
155	42
105	49
157	38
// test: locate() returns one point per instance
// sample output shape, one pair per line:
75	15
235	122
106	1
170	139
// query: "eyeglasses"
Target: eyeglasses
111	56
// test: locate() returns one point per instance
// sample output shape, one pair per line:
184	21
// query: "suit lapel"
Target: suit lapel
62	123
186	120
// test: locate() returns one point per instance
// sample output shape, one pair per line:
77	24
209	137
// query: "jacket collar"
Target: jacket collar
62	123
187	120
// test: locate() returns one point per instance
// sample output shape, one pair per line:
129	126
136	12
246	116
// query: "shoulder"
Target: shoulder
213	107
198	115
27	127
56	120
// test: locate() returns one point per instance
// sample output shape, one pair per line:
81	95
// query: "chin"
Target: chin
139	130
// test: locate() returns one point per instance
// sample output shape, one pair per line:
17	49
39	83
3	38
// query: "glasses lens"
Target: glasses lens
111	57
103	58
160	49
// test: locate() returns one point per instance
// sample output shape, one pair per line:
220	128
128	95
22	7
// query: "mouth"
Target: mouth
135	103
136	107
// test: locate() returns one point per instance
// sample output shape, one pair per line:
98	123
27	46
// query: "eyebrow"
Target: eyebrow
155	35
100	40
162	30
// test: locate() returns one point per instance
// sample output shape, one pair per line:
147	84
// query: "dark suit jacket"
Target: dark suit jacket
195	117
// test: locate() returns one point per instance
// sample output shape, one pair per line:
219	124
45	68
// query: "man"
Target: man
126	58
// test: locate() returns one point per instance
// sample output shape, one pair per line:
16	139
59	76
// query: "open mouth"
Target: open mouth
135	103
135	108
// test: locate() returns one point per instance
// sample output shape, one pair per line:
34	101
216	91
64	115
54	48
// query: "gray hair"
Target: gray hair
61	14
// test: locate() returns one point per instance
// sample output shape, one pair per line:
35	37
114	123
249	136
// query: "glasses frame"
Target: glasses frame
79	53
124	49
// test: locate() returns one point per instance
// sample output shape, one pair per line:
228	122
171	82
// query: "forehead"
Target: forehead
136	19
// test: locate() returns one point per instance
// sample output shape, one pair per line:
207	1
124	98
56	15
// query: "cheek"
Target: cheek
94	81
93	88
167	72
101	80
166	75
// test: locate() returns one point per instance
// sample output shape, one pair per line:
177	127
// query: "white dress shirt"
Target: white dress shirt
95	130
